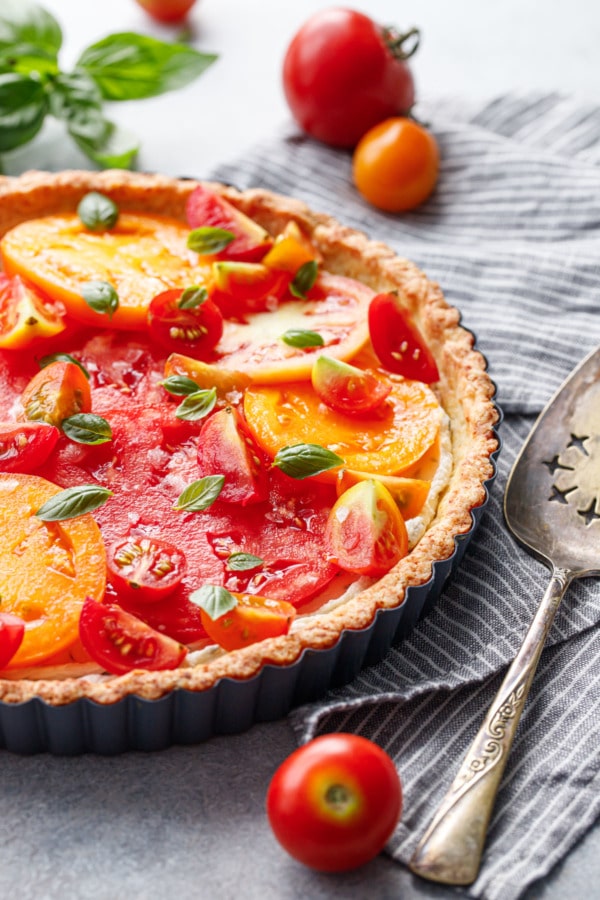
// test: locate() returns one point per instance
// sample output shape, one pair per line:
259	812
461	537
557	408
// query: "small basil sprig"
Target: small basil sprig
62	357
197	405
98	212
199	495
295	337
304	279
180	385
73	502
208	241
303	460
216	601
243	562
192	297
101	296
124	66
87	428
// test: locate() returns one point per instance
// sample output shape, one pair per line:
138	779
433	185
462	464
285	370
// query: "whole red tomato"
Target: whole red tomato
343	73
334	802
168	11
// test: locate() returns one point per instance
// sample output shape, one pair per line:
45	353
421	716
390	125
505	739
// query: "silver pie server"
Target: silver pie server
552	507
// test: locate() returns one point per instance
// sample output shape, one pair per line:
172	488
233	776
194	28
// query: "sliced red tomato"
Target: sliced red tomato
26	446
119	642
366	534
145	568
12	631
397	341
205	209
58	391
248	618
227	447
193	331
27	316
244	287
346	388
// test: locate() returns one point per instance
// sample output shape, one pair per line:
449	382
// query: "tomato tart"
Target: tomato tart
232	431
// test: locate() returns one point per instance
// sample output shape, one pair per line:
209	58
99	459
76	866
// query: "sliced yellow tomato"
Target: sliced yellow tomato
206	375
409	494
336	310
142	256
387	442
47	569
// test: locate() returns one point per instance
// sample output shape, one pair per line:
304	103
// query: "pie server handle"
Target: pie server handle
450	850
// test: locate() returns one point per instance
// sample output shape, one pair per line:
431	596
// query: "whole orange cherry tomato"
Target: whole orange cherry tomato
335	802
396	164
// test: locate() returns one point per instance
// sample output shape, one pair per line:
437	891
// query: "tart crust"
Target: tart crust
465	392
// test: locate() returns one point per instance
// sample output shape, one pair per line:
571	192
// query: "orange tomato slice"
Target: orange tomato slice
46	568
142	256
387	442
254	618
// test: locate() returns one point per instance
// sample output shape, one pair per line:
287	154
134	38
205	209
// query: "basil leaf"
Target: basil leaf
303	460
101	297
87	428
104	142
197	405
214	600
97	212
192	297
27	58
22	22
129	66
200	494
207	241
304	279
179	385
62	357
76	99
243	562
73	502
295	337
23	108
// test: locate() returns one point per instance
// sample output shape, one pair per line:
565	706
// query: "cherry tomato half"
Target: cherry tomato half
227	447
205	209
346	388
253	618
27	316
26	446
193	331
167	11
58	391
145	568
397	341
12	631
120	642
395	165
342	74
335	802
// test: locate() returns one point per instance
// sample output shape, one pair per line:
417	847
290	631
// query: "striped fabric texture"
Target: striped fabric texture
512	234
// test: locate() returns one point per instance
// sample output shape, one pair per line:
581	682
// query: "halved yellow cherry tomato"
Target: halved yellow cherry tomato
365	533
26	315
291	250
253	619
142	256
57	391
47	569
206	375
409	494
386	442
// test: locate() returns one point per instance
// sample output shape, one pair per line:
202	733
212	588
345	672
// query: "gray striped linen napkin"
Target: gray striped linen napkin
512	234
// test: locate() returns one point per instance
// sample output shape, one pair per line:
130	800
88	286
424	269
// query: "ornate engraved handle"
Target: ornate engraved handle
450	850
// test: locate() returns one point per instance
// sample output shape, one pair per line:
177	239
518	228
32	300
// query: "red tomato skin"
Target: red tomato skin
199	328
309	827
340	78
204	208
145	569
167	11
120	642
24	447
226	447
12	629
397	341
